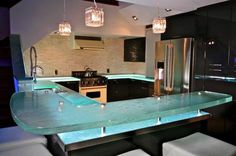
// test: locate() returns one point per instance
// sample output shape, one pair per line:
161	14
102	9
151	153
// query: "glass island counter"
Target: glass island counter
76	121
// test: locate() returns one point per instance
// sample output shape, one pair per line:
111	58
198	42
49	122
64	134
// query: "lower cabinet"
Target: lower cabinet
124	89
73	85
117	90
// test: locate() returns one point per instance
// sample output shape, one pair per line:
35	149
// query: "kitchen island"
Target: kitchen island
77	122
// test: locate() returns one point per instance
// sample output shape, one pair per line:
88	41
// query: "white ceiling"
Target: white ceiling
146	10
180	5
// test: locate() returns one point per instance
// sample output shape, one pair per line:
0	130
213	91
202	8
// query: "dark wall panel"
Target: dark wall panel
4	23
134	50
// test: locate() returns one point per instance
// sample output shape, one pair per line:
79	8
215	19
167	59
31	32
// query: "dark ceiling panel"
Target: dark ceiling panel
8	3
109	2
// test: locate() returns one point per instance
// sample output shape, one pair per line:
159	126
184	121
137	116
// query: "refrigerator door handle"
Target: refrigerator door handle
169	68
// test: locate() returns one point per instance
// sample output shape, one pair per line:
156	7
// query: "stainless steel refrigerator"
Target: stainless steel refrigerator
173	64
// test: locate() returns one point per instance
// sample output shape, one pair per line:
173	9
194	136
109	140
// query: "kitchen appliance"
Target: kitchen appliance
176	55
92	85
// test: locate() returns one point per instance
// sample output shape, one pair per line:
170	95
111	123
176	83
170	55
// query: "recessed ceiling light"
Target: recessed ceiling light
135	18
168	10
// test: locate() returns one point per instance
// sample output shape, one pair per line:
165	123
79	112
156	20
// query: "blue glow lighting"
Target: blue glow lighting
16	85
235	60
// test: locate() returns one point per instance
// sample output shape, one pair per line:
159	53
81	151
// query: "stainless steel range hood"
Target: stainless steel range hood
88	42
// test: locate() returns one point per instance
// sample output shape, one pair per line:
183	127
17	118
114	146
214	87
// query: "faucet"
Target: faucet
87	71
33	65
35	71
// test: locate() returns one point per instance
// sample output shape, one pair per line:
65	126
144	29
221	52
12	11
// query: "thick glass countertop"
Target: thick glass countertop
128	76
49	113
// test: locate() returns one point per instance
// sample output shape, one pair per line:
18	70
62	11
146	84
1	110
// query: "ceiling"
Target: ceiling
178	5
146	10
8	3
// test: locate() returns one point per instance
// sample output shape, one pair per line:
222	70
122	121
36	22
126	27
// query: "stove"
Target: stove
92	85
90	78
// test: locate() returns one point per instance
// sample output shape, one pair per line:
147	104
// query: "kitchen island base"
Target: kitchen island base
149	139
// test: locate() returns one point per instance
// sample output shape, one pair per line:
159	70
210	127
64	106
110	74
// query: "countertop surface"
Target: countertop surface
59	79
217	78
68	138
108	76
128	76
50	112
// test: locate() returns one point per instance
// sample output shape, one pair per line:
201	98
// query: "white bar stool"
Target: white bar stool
137	152
14	141
198	144
29	150
12	137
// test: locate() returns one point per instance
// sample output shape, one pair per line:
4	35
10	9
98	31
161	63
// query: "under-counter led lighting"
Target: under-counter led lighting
135	18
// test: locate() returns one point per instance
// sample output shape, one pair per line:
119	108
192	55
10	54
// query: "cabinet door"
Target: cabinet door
180	26
140	89
218	32
73	85
117	90
201	22
232	62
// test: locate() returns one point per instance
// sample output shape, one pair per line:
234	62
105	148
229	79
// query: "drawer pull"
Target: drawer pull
216	65
215	70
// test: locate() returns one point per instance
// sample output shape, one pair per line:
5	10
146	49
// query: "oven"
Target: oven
98	93
92	85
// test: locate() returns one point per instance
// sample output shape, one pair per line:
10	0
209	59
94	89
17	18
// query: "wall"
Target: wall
4	23
55	52
151	40
34	19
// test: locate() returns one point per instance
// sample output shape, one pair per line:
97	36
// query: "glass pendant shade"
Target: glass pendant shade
94	17
159	25
64	28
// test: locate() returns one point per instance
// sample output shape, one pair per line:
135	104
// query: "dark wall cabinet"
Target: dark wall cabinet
214	32
179	26
232	57
213	28
123	89
73	85
218	36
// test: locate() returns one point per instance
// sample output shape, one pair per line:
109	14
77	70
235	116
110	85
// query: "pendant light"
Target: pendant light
159	23
94	16
64	26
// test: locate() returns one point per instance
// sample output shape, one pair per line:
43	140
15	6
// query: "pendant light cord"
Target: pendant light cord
158	10
95	3
64	10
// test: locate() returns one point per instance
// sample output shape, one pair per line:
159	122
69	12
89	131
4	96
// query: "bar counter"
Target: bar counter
51	111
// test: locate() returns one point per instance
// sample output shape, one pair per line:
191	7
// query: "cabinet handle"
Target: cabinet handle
216	65
215	70
144	88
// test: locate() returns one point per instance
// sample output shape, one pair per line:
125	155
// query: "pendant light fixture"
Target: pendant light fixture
94	16
64	27
159	23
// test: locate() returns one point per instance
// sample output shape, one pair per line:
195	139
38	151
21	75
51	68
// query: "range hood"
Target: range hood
88	42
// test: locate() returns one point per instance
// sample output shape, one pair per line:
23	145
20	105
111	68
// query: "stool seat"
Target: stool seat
30	150
137	152
198	144
12	137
